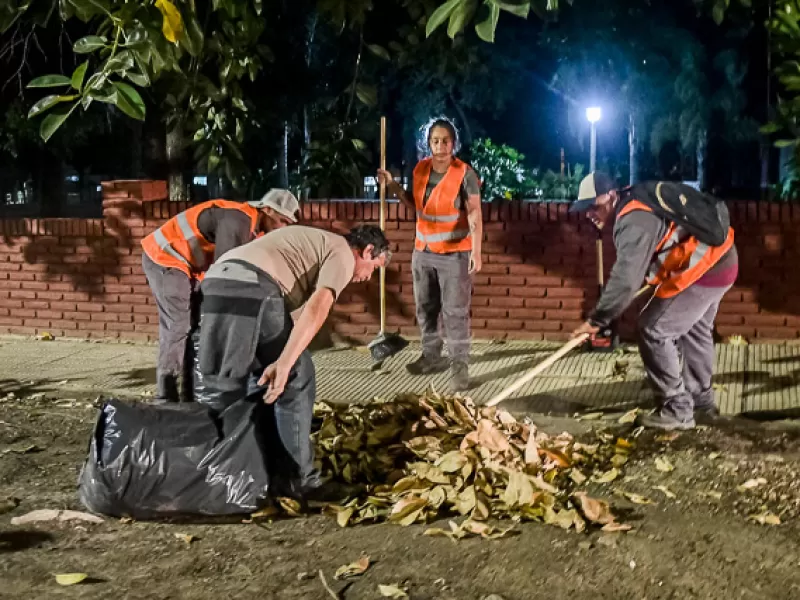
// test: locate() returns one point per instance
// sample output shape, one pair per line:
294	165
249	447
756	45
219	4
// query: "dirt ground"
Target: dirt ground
699	544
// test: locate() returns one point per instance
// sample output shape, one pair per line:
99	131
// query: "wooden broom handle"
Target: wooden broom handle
383	222
599	246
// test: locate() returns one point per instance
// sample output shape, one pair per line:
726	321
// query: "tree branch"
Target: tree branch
23	59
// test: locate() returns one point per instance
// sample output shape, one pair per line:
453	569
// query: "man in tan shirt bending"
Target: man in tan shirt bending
247	333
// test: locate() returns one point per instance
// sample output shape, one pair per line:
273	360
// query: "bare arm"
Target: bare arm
475	218
315	313
395	189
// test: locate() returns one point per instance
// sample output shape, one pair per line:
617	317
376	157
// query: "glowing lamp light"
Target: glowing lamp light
593	114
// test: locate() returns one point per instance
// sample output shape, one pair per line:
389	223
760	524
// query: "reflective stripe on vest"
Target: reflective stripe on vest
167	247
198	256
680	258
447	236
437	218
441	226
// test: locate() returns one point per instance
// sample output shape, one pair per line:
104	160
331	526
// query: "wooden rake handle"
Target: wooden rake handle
382	273
565	349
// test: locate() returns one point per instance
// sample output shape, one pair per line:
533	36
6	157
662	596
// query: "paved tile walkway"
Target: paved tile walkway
758	379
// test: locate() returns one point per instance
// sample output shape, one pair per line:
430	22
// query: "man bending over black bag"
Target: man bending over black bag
247	331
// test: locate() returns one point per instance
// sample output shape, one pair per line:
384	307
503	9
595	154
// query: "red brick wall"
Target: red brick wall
83	278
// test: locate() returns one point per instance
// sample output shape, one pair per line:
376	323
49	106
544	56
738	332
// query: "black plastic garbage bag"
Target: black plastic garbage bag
150	461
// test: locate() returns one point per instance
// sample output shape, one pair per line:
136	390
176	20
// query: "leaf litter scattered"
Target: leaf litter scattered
425	457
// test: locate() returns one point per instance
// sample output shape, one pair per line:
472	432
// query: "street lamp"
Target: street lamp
593	114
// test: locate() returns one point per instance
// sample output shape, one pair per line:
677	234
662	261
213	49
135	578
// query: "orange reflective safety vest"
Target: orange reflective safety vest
441	226
179	244
680	259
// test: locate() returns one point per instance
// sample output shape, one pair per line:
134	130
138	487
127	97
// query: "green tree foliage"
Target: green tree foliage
501	170
192	56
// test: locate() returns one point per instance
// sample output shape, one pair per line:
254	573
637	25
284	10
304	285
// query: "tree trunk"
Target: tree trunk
310	35
702	151
175	161
306	191
283	157
633	167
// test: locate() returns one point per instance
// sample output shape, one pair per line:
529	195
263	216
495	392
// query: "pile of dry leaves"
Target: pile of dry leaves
430	456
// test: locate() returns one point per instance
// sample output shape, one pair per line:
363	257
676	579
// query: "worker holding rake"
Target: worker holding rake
681	242
445	194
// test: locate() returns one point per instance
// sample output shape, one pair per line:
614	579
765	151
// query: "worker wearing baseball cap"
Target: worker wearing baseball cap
175	258
680	242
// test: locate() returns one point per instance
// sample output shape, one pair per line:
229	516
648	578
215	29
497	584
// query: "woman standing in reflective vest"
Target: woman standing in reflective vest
447	250
175	258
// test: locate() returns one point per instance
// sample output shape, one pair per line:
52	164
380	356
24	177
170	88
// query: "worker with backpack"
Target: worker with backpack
679	241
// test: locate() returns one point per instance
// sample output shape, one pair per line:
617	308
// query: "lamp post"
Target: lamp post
593	114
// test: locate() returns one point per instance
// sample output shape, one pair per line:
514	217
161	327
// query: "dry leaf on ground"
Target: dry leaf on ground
615	527
637	498
391	591
752	484
428	456
765	518
606	477
592	416
596	511
665	490
70	578
49	514
712	495
663	464
353	569
186	537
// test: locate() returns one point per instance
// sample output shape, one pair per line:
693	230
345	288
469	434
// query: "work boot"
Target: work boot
459	376
427	365
167	390
331	492
665	421
707	414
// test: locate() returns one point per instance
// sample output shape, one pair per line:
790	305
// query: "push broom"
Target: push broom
385	345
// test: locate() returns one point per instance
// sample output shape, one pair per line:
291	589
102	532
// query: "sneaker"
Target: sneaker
665	422
332	492
459	376
427	365
706	415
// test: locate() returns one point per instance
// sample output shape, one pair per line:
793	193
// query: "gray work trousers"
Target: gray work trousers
173	292
677	347
245	325
443	287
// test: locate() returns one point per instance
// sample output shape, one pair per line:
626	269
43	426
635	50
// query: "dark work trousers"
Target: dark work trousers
177	304
677	346
245	325
443	287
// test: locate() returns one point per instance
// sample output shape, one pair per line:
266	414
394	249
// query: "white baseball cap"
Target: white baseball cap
281	201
